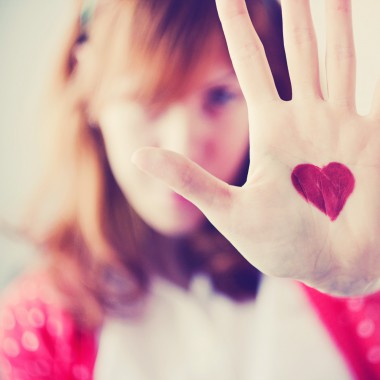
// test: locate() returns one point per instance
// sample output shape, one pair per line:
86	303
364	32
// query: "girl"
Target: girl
136	283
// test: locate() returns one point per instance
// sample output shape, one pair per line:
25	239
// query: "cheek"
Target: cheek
122	128
125	173
122	125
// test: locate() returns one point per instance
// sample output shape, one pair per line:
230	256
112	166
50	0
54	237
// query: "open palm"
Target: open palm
310	208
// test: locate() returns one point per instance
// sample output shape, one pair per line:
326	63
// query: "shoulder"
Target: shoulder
38	338
354	324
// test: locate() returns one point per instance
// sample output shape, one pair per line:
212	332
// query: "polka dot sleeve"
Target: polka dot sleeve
40	341
354	325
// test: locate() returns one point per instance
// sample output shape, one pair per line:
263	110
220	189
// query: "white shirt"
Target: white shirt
201	335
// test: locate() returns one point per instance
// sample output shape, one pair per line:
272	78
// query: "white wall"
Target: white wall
27	34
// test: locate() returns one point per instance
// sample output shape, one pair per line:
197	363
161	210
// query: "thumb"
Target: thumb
185	177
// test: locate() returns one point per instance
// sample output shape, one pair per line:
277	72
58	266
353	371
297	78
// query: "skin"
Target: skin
208	124
266	219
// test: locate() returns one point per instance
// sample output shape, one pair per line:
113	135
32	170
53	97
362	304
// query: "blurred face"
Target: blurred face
208	124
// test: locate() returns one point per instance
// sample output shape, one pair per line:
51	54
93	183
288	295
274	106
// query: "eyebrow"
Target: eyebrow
124	92
223	77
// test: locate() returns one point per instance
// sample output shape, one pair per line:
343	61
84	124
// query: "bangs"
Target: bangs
163	43
169	46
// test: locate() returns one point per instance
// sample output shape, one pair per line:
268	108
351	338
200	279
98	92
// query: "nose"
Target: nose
180	130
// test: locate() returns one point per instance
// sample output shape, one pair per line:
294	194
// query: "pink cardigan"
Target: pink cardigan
40	341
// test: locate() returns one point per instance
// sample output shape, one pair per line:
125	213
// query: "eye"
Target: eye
218	97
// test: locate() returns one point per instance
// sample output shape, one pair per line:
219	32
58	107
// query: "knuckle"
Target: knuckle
232	10
343	6
249	51
343	53
301	36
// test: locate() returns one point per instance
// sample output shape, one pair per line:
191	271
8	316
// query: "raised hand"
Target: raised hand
310	209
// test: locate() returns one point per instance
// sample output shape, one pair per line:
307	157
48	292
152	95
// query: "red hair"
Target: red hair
99	250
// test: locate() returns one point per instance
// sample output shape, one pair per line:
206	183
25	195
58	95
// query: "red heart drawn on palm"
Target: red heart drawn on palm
327	188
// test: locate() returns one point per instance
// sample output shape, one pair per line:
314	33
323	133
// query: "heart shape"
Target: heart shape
327	188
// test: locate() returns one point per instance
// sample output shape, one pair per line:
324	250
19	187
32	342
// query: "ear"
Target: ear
85	18
77	50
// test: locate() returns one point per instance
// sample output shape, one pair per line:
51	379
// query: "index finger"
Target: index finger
246	51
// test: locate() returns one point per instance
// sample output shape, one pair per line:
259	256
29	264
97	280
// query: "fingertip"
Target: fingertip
145	158
137	157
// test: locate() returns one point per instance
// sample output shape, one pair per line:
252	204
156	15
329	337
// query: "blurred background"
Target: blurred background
28	32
